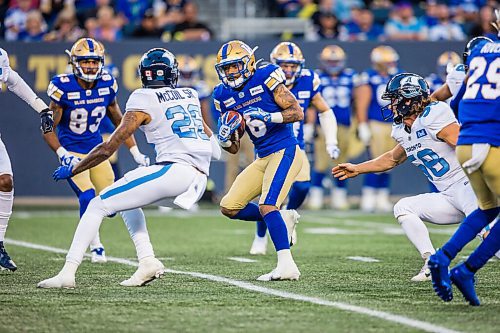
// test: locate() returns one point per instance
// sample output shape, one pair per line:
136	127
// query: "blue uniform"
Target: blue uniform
304	89
479	109
377	83
258	92
337	92
83	110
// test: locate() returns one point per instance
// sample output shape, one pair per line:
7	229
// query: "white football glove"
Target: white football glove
66	158
479	154
139	158
364	133
333	151
455	77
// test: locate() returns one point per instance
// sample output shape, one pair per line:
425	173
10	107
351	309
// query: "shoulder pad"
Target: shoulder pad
306	72
106	77
272	75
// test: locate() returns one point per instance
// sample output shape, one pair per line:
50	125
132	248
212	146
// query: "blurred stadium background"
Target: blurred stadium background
36	33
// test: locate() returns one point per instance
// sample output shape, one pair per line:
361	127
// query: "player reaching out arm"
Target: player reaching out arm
426	133
19	87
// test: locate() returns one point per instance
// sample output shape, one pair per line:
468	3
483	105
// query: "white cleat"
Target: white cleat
383	204
58	281
339	199
291	218
259	246
315	201
98	256
289	272
149	270
423	275
368	200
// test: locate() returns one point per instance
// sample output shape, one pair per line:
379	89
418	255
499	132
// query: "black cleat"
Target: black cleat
5	261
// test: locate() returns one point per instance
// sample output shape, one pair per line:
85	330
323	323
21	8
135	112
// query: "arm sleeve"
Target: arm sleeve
328	124
19	87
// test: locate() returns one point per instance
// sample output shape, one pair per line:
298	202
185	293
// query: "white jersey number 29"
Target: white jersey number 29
477	67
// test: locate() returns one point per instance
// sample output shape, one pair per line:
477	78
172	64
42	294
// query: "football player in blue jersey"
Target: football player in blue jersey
445	62
373	131
305	86
79	102
337	87
478	151
269	109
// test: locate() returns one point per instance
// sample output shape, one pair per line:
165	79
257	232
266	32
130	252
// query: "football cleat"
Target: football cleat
315	198
424	274
5	261
285	272
438	265
259	245
98	255
463	278
59	281
368	200
291	218
383	204
339	199
149	270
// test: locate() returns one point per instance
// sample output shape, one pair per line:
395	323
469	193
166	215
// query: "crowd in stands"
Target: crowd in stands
106	20
345	20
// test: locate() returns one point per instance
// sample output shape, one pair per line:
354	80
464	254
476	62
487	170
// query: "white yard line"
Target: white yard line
418	324
364	259
240	259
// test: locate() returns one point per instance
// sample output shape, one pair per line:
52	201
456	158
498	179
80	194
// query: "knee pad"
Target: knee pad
84	198
403	207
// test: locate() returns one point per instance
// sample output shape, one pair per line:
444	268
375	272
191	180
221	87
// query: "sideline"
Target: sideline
422	325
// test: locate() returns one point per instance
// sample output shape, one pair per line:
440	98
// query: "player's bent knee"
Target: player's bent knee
6	183
266	209
403	207
229	212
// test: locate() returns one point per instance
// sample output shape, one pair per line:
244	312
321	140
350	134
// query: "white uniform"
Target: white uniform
183	152
5	166
438	161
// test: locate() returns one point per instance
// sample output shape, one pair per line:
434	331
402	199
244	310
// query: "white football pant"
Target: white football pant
6	198
447	207
138	188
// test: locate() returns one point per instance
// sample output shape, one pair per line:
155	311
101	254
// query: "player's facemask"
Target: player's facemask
86	49
235	63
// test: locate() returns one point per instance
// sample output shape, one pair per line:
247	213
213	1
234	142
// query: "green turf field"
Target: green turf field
194	297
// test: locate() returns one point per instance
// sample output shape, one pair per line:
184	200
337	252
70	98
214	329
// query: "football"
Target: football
241	130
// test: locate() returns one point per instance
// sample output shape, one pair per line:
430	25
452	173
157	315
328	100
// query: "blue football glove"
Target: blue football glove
63	172
228	123
257	113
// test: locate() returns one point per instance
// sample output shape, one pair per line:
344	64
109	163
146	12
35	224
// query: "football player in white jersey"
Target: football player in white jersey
426	133
171	120
19	87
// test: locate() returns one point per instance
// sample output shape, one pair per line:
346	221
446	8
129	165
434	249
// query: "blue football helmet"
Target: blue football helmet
158	69
406	92
471	44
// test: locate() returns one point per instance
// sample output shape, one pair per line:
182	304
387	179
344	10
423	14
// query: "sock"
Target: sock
317	178
383	180
249	213
340	183
487	249
371	180
86	230
261	229
136	224
6	200
469	228
277	230
417	233
298	194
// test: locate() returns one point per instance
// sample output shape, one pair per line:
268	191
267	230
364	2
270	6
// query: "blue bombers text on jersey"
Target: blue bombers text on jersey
305	87
258	92
83	110
479	109
377	83
337	92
